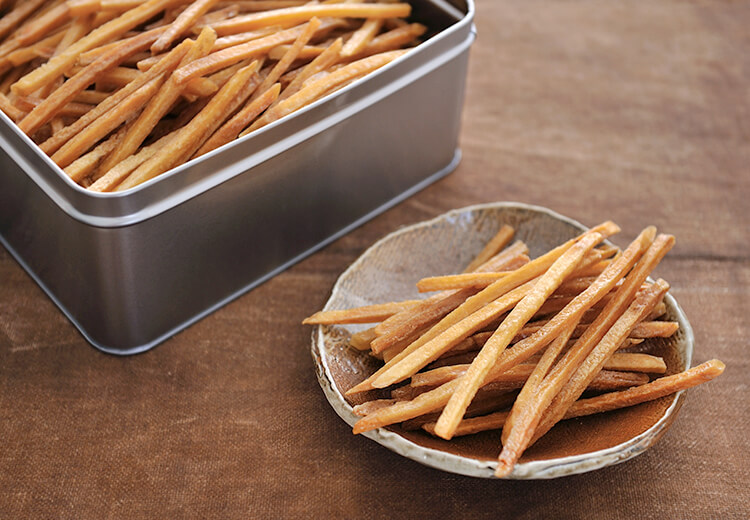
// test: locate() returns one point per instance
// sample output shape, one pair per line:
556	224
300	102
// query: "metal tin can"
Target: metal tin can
133	268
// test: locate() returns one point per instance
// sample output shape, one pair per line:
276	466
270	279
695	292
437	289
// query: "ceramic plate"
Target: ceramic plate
389	270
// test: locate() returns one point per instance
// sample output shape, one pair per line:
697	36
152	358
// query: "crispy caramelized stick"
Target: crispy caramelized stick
302	14
516	319
476	302
524	349
54	143
358	41
191	137
160	104
87	76
327	58
366	314
182	24
319	87
395	331
283	64
516	437
496	244
109	31
656	389
437	398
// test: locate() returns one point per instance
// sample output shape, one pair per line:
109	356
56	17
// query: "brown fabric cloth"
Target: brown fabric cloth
636	111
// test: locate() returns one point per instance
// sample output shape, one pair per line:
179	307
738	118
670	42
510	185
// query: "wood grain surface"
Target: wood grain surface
637	112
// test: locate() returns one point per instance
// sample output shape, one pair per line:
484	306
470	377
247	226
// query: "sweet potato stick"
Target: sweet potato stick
524	349
82	142
304	13
231	129
55	142
494	246
482	280
231	55
594	362
283	64
327	58
85	165
263	5
656	389
361	340
184	21
634	362
80	8
403	410
317	88
458	281
190	137
114	177
18	14
41	49
518	438
60	97
392	39
160	104
43	25
393	325
10	110
646	329
469	306
397	331
366	314
107	32
408	365
237	39
362	37
476	302
516	319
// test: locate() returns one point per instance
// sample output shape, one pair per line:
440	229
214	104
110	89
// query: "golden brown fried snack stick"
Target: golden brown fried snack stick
637	311
159	105
126	110
43	25
327	58
231	55
476	302
114	177
514	322
87	76
192	135
232	128
302	14
283	64
182	24
524	349
55	142
517	437
107	32
18	14
315	89
366	314
397	331
10	110
501	239
607	402
85	165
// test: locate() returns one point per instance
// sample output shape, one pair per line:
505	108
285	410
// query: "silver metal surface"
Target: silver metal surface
130	269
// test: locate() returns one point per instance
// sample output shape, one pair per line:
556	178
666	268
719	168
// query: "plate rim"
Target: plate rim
536	469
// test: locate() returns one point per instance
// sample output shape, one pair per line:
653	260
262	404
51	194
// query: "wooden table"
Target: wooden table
635	111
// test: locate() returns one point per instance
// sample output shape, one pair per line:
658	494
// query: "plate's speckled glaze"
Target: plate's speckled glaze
388	271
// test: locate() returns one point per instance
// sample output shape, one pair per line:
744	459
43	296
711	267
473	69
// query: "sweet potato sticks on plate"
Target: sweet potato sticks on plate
118	92
518	344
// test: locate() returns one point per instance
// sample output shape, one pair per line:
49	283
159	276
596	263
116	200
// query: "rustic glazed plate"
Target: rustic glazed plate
389	270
